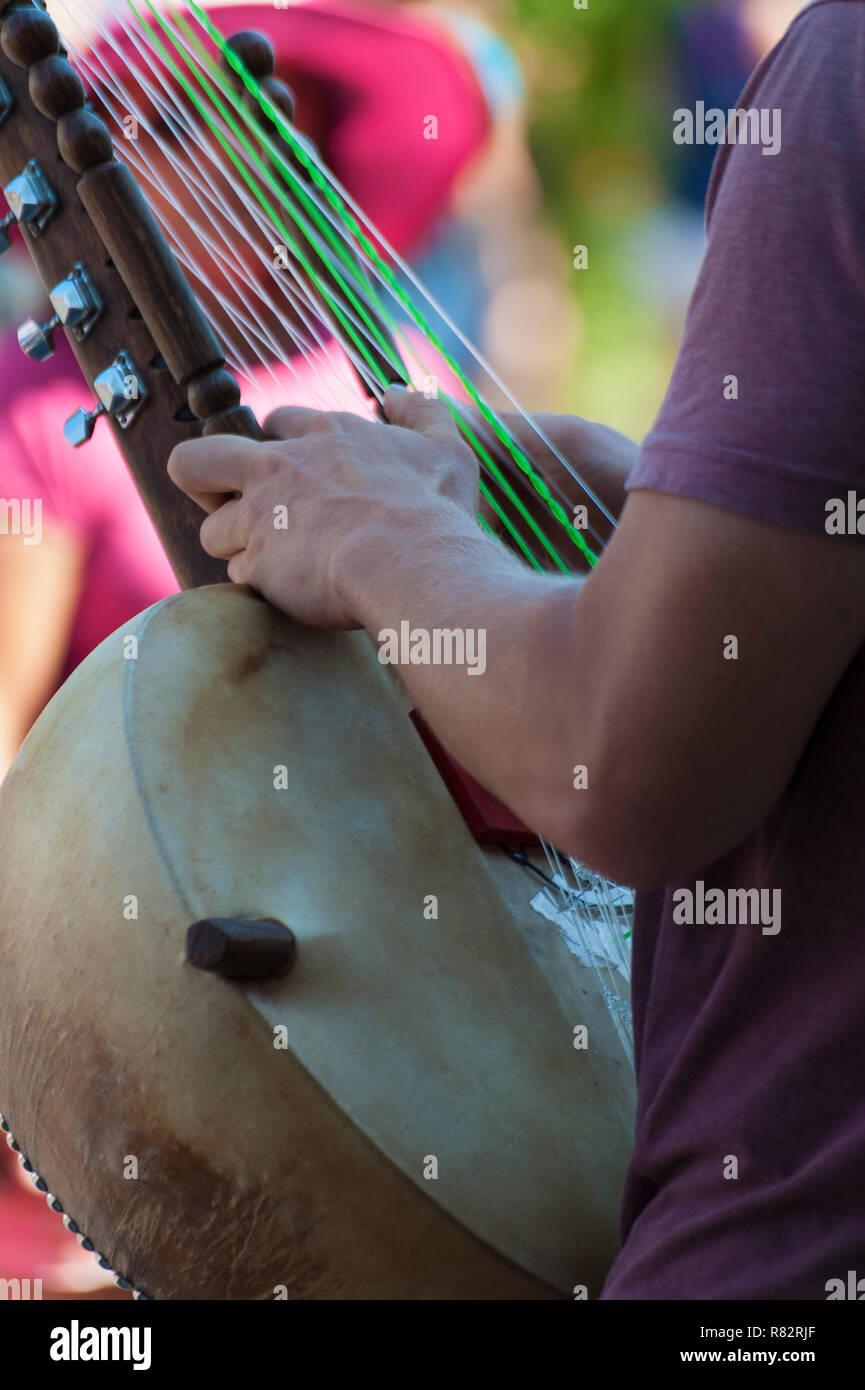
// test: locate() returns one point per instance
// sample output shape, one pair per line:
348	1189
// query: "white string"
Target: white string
218	159
600	924
590	902
361	256
140	161
375	235
312	234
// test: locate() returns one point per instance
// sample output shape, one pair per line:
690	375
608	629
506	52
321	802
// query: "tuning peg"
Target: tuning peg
76	305
37	339
76	302
254	50
120	392
80	426
31	198
256	53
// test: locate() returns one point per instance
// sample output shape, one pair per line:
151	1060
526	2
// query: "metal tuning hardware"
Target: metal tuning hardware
80	426
120	392
31	199
76	306
6	223
6	102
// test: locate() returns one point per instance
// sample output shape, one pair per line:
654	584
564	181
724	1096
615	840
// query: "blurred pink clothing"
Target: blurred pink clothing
88	494
408	110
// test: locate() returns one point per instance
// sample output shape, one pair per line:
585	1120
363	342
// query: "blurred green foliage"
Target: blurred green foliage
596	76
600	114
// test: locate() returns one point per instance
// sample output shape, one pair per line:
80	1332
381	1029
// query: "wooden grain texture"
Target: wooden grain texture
134	241
70	238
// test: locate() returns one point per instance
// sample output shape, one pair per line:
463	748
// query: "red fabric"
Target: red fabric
386	72
490	822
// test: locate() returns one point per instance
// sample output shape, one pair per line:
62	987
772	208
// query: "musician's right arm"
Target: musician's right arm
684	751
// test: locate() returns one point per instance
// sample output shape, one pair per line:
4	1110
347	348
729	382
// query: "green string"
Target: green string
352	226
271	212
464	426
353	229
351	265
298	188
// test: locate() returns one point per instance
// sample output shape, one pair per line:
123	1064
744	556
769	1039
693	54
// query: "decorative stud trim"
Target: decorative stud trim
54	1204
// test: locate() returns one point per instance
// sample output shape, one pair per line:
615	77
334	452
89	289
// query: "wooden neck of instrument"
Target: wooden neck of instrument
148	316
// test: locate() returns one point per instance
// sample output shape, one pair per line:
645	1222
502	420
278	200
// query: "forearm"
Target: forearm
515	718
384	534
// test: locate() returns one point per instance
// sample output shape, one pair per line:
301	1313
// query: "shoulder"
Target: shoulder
809	91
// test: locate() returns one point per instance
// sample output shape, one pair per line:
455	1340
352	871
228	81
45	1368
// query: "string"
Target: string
160	107
508	493
326	181
143	165
495	506
606	912
226	115
465	428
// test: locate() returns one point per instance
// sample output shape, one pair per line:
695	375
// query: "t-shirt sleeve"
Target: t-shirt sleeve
765	411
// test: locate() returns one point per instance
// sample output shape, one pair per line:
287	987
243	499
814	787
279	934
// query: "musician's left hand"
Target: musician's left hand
322	481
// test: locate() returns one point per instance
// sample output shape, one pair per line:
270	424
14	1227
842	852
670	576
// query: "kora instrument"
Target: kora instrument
273	1023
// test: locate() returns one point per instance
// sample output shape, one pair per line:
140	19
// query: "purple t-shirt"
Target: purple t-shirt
748	1174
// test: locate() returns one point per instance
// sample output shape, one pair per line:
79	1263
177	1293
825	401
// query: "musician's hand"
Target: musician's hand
601	456
320	482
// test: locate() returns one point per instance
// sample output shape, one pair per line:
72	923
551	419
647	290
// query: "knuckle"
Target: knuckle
274	420
341	421
270	463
